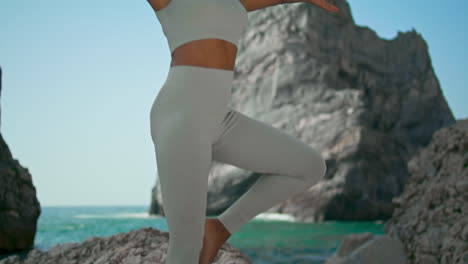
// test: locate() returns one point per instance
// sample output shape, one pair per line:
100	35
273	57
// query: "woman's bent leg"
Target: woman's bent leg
291	166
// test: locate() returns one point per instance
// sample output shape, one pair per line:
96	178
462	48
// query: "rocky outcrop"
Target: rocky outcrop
19	207
143	246
432	217
366	248
368	104
430	225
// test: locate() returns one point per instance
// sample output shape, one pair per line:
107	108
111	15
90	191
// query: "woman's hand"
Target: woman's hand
325	5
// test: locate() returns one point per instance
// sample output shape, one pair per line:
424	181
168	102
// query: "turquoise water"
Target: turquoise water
268	238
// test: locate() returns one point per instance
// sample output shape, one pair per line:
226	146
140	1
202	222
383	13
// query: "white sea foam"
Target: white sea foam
119	215
276	216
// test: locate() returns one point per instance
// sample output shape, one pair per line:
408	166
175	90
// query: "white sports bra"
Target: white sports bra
183	21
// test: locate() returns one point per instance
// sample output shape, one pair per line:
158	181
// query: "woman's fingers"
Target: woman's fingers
325	5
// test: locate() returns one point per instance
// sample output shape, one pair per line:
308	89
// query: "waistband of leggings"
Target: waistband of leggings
199	75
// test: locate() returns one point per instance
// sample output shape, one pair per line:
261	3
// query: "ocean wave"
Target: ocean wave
143	215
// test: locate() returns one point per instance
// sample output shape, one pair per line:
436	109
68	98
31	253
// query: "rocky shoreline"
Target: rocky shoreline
143	246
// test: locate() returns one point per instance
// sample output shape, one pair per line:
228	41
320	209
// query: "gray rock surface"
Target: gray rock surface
432	217
143	246
19	207
366	103
365	248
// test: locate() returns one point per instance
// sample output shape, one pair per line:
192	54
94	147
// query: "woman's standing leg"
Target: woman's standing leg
183	127
291	166
184	159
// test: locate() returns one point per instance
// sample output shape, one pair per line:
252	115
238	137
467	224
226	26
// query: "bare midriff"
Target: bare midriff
210	52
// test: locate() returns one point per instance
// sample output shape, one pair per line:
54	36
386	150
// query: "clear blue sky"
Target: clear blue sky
80	78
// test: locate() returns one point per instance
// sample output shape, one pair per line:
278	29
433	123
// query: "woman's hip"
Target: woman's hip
194	95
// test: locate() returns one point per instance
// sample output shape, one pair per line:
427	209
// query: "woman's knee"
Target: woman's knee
315	169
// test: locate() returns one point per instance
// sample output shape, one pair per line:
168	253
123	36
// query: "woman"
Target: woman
192	124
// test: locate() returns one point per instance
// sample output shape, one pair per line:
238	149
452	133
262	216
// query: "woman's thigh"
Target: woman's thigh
257	146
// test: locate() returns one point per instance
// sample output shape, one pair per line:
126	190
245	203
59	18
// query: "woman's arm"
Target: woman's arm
320	3
252	5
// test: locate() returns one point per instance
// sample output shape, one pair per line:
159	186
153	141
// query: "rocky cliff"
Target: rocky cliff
430	223
367	103
19	207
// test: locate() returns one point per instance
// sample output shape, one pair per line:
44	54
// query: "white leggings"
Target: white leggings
191	125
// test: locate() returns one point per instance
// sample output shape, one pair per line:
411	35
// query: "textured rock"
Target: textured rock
366	248
19	207
143	246
432	214
368	104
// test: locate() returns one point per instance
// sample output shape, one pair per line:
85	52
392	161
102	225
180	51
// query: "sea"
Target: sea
269	238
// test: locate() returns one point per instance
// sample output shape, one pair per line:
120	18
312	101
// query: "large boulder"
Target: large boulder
19	207
366	103
365	248
432	214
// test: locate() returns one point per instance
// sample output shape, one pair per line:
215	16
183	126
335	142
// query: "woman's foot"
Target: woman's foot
215	236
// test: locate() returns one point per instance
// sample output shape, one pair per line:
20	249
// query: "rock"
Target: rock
366	248
352	242
143	246
432	217
19	207
367	104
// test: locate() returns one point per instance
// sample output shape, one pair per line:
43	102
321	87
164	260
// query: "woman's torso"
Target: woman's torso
210	53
